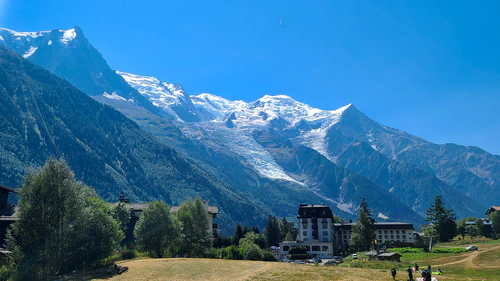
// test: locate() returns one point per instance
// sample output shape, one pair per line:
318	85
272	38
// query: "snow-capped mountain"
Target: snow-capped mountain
331	133
27	43
275	151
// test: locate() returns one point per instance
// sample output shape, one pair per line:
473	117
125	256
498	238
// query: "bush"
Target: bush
129	254
253	252
212	253
268	256
231	253
299	256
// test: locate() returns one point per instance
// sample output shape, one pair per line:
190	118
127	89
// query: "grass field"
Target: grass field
483	264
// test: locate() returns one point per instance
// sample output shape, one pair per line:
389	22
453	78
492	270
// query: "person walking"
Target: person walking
416	267
393	273
429	272
410	273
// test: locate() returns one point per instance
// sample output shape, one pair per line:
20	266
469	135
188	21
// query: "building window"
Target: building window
404	236
385	236
325	226
325	233
392	237
324	248
380	232
305	239
402	231
397	231
397	237
385	231
286	248
316	248
304	233
391	231
324	212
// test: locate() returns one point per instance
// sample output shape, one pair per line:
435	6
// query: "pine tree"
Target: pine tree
238	234
255	229
363	232
443	220
272	232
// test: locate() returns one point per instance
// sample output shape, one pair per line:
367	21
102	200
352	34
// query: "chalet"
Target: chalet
492	209
7	211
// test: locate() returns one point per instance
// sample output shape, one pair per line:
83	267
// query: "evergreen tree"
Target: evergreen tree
272	232
62	224
238	234
443	220
255	229
121	213
195	237
156	230
363	232
245	230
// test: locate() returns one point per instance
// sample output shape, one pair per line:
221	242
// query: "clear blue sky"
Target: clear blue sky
431	68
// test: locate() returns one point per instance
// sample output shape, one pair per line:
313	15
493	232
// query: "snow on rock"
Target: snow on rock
242	144
161	94
30	52
113	96
67	36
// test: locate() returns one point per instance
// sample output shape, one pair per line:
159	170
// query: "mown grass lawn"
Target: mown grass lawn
480	265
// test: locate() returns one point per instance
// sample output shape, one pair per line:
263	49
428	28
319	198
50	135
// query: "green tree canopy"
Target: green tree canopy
62	224
195	238
363	232
156	229
443	220
121	213
495	219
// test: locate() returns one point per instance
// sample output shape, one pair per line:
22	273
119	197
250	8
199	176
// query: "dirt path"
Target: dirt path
470	258
249	273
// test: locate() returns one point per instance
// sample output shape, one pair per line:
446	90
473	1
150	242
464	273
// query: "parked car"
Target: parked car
338	259
354	256
471	248
330	262
299	262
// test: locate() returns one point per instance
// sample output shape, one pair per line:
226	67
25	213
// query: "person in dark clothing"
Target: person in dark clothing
393	273
410	273
429	274
416	267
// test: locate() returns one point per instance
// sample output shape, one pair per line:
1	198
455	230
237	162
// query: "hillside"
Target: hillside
355	156
43	115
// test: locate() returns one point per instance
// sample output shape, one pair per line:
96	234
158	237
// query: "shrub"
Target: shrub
231	253
129	254
212	253
268	256
253	252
